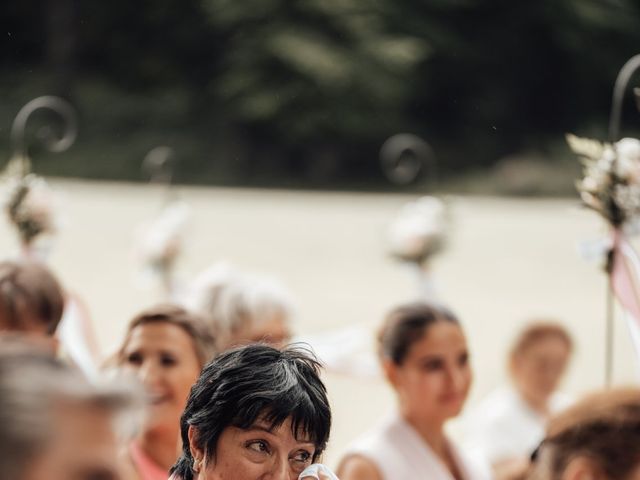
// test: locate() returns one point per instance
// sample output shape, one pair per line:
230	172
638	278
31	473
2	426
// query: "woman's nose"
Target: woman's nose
148	373
456	377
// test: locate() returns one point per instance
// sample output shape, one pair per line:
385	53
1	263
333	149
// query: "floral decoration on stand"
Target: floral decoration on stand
611	187
611	182
26	197
30	206
417	234
160	242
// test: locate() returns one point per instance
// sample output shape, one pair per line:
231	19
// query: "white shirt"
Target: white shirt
503	426
399	453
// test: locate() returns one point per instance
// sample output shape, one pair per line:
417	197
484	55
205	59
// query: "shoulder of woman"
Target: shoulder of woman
357	467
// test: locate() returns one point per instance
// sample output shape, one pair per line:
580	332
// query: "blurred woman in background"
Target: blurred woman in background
241	308
165	347
596	439
425	358
508	425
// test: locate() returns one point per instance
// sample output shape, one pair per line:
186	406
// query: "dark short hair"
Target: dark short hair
28	287
193	325
407	324
253	383
604	427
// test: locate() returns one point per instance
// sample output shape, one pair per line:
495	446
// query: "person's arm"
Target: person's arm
358	468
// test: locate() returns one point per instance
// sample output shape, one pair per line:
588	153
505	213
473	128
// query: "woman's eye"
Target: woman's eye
134	359
433	365
302	457
259	446
463	360
168	360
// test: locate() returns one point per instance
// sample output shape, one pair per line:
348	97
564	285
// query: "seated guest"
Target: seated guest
31	302
425	358
54	425
508	425
255	412
165	347
598	439
241	308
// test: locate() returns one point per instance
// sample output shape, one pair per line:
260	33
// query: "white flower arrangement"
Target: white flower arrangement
160	242
30	205
611	182
419	231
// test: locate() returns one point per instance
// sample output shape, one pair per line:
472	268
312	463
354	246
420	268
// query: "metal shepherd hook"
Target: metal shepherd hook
620	88
52	142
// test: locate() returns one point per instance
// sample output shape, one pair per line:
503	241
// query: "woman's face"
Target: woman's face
433	381
257	453
163	357
537	371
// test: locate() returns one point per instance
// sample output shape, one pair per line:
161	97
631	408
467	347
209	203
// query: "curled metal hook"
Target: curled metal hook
159	164
404	156
626	72
52	142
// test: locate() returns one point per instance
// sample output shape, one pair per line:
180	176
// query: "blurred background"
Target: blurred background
275	97
304	93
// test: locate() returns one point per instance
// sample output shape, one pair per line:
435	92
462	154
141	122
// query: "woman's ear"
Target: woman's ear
582	468
390	370
196	452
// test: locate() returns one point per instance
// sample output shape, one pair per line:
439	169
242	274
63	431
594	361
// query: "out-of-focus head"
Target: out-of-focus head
53	424
539	358
31	300
165	347
598	438
242	308
255	412
425	358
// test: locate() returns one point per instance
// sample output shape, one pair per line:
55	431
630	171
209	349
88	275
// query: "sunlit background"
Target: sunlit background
277	113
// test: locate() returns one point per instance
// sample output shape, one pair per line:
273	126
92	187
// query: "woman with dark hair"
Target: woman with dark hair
255	412
598	438
165	348
424	356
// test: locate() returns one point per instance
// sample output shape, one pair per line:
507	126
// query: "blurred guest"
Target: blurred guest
31	302
508	425
241	308
53	424
255	412
425	358
165	347
598	439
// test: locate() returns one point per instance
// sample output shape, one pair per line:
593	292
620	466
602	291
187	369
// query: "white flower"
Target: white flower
419	230
160	241
31	206
628	161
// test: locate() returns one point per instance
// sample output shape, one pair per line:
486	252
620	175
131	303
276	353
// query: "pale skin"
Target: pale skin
274	331
84	446
431	384
536	373
258	453
163	357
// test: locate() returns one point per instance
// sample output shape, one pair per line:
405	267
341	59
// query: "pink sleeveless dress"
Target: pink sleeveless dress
147	469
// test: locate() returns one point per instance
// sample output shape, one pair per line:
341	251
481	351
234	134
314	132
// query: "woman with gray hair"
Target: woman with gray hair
241	307
54	425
